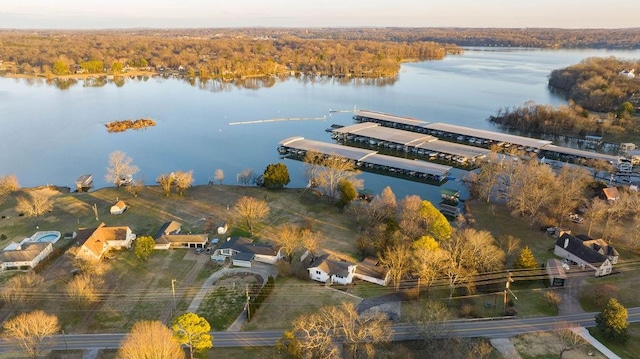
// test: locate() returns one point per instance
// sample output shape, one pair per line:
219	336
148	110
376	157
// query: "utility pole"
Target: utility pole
173	290
248	302
506	289
66	345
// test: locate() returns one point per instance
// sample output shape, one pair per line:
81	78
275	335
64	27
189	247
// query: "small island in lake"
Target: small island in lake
121	126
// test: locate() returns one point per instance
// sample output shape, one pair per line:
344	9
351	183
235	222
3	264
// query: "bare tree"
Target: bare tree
569	191
166	182
595	212
310	241
18	289
483	183
409	218
425	264
398	261
245	177
529	189
83	289
567	338
218	176
135	187
8	185
183	181
120	168
476	250
326	172
289	238
251	209
30	330
35	205
150	339
431	319
359	333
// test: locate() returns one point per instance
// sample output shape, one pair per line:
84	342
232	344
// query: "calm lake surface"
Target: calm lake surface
51	136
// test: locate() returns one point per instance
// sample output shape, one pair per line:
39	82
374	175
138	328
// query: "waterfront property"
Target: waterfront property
168	236
84	183
95	242
242	252
25	255
298	147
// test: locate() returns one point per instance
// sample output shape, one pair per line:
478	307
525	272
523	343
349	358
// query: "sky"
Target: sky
101	14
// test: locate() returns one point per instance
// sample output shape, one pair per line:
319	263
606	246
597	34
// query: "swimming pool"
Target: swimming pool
46	236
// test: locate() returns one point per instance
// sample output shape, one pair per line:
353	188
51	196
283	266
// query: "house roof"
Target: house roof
29	251
120	205
369	267
331	267
245	245
182	238
243	256
101	235
168	228
576	247
611	193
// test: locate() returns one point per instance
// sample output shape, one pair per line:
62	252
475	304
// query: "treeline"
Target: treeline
563	120
506	37
599	84
211	55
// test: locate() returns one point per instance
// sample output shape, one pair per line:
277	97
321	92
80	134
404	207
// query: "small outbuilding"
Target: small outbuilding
118	208
556	273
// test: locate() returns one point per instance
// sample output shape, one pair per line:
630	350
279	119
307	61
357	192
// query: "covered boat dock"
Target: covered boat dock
366	159
375	135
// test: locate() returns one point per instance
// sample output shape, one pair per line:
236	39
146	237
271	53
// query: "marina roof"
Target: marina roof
301	143
455	149
407	164
374	130
391	118
581	153
489	135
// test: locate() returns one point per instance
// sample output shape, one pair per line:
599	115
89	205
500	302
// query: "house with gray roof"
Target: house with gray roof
241	249
24	256
330	271
371	271
574	249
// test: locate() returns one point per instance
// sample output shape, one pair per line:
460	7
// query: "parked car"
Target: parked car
199	250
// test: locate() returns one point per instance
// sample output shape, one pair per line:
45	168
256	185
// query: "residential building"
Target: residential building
574	250
330	271
168	236
24	256
371	271
246	248
95	242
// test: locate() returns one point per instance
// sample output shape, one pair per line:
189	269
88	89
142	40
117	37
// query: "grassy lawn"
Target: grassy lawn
545	345
291	298
629	349
226	300
497	219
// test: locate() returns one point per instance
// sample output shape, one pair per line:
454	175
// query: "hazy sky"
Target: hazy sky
76	14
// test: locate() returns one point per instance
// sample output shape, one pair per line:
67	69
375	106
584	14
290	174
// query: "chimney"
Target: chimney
566	242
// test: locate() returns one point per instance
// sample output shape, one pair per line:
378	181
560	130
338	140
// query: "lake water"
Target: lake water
51	136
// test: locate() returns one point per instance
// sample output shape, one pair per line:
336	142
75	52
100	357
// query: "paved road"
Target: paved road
497	328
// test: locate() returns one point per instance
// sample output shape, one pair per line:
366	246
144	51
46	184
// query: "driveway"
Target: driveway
570	294
261	269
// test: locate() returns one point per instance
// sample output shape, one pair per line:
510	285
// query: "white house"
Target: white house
118	208
330	271
370	270
24	256
573	249
235	246
94	242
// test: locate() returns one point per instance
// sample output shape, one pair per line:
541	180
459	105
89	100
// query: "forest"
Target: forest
599	84
571	119
224	55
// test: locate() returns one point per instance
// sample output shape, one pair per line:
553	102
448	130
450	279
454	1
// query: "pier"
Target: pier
482	138
422	146
369	160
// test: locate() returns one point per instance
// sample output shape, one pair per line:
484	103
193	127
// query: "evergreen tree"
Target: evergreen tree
347	193
612	321
276	176
526	260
